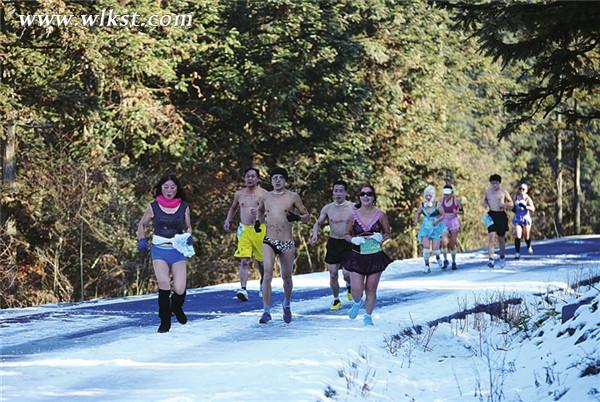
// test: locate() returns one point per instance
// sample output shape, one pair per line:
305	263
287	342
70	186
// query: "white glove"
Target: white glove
378	237
358	240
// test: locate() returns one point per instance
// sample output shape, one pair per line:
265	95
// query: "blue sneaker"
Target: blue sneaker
265	318
367	320
287	314
353	312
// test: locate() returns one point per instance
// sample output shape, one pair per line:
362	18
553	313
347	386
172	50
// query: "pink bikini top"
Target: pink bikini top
360	228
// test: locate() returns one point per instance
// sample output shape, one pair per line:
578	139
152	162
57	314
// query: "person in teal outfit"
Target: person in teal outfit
432	227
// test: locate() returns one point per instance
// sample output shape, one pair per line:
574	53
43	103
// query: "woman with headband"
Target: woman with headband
452	208
522	219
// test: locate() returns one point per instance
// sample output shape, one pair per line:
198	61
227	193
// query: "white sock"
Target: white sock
426	254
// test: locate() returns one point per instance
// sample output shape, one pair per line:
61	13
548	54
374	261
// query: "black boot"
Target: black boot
164	310
176	303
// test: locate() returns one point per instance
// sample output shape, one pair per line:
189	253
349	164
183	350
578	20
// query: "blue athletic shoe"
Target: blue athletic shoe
287	314
353	312
367	320
265	318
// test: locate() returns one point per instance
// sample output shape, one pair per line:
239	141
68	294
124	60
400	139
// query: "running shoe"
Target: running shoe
349	294
501	263
367	320
440	264
530	250
353	312
491	263
242	294
517	256
287	314
454	266
427	269
336	305
265	318
445	264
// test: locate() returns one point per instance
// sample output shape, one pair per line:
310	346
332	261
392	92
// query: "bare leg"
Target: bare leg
502	244
261	271
244	270
518	231
491	245
358	285
436	251
453	240
346	276
527	235
179	277
269	262
334	279
426	250
446	240
287	268
371	291
452	245
162	272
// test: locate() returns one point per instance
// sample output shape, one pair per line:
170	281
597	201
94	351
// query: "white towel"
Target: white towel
179	243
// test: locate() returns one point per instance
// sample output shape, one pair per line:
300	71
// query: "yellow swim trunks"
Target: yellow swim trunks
250	243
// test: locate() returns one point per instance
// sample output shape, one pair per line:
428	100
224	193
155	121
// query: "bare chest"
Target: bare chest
339	214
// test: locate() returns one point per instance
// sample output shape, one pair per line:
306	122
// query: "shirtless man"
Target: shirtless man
249	238
497	200
338	213
278	208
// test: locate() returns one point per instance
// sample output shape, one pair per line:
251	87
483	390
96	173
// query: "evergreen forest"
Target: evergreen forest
399	94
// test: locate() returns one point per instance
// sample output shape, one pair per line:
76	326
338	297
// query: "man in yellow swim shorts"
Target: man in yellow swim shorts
250	232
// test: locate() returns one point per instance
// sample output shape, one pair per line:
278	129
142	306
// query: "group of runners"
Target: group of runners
354	244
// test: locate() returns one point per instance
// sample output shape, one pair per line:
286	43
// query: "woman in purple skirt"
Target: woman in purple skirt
366	231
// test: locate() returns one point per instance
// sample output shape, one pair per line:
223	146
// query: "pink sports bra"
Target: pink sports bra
450	208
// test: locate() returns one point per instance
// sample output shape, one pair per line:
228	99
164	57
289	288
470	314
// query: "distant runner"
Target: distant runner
432	228
452	208
497	200
522	219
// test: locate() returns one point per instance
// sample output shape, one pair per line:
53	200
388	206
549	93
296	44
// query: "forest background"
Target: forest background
399	94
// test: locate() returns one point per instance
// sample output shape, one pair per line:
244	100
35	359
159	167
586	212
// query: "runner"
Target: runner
172	244
338	213
522	219
432	228
366	231
249	239
452	208
496	199
278	208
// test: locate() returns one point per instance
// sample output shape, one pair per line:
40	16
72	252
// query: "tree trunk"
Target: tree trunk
559	179
577	175
577	184
8	149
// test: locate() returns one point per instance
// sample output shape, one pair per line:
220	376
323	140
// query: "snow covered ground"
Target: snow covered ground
109	349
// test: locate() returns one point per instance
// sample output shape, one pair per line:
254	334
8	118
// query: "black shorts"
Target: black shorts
500	225
338	251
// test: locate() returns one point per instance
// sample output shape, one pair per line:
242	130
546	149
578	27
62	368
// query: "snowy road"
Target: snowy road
109	349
